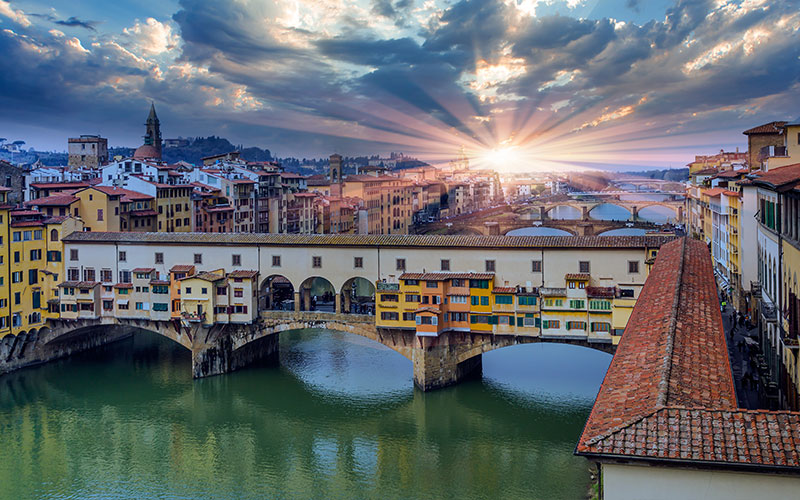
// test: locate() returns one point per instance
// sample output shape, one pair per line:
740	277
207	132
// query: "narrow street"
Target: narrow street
740	345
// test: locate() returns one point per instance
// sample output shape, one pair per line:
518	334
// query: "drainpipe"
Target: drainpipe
779	362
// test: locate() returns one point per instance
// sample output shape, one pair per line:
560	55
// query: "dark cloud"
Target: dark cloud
74	22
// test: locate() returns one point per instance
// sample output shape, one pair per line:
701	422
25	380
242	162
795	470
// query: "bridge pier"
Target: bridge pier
634	213
584	213
223	357
436	364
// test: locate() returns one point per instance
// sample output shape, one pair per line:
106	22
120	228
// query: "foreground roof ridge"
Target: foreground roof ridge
666	368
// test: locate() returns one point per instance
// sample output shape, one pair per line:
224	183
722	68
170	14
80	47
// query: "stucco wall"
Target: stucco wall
641	482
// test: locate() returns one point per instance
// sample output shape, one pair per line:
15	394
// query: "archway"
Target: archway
357	296
276	294
610	211
317	294
564	211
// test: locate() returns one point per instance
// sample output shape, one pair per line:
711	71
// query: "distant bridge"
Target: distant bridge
542	209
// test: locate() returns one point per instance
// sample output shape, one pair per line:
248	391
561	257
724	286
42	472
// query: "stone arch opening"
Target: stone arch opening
596	215
564	211
317	294
357	296
276	294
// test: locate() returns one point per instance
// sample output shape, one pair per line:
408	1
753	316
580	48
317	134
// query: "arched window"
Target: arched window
54	235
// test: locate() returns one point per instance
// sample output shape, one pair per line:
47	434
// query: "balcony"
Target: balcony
193	317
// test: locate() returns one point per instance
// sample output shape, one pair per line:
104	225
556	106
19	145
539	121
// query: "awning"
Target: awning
122	302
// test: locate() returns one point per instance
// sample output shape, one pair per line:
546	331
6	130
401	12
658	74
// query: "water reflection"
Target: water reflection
624	231
538	231
338	418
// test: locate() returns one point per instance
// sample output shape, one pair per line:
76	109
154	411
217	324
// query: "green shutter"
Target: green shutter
520	321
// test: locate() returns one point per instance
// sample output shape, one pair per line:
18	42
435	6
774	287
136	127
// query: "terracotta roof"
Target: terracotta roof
56	220
21	212
427	309
123	285
88	284
669	393
243	181
143	213
578	276
159	282
705	171
729	174
59	199
59	185
365	240
713	191
71	284
601	291
767	128
504	289
205	276
27	223
144	270
181	268
445	276
242	273
779	177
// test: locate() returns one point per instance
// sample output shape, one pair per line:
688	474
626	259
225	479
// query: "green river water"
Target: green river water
338	417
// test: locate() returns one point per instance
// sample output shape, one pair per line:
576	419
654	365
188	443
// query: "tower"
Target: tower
152	135
336	174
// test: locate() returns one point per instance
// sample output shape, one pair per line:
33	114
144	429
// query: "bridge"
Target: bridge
503	226
437	361
287	282
542	209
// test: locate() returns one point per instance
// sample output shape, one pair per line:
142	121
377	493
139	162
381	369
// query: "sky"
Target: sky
520	85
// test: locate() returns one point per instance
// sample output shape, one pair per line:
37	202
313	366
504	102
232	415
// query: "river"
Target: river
337	417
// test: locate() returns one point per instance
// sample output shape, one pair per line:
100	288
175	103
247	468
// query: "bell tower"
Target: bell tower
336	174
152	135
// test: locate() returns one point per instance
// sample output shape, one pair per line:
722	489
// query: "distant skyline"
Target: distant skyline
521	84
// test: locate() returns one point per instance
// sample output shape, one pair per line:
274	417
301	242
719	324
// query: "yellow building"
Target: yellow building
5	278
198	296
26	260
174	206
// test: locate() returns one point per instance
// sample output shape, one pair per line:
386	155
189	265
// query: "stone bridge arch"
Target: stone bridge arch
356	296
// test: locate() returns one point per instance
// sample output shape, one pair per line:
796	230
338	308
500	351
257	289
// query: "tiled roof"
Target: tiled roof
60	199
767	128
427	309
143	213
729	174
578	276
445	276
56	219
706	171
88	284
71	284
504	289
144	270
242	273
713	191
123	285
27	223
181	268
59	185
778	177
552	292
205	276
601	291
365	240
669	394
159	282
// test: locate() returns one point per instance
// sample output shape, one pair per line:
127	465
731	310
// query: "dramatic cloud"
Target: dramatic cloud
616	82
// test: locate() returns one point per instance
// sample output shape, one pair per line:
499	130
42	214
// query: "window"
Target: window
17	298
16	277
626	292
106	275
412	282
139	306
427	320
204	290
236	260
16	257
526	300
459	299
476	319
474	300
276	261
576	325
36	254
583	266
73	254
88	274
601	327
460	317
601	305
431	284
409	316
400	264
553	302
551	324
221	290
633	266
160	306
485	300
358	262
389	297
536	266
410	297
238	292
576	304
445	264
124	276
316	261
459	282
99	214
198	258
159	257
490	266
37	234
571	285
479	284
123	307
503	299
188	289
53	256
17	236
389	316
123	256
